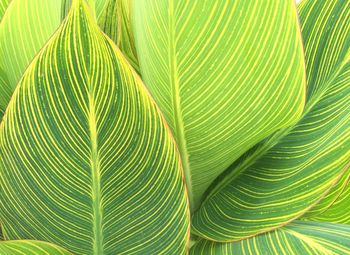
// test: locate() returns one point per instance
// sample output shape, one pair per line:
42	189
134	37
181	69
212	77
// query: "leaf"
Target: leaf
335	198
97	7
116	23
3	6
338	211
290	172
87	161
226	74
294	239
30	247
5	93
26	27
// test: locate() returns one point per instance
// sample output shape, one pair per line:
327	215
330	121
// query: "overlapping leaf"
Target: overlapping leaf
290	172
24	30
116	23
296	238
87	162
334	203
226	74
29	247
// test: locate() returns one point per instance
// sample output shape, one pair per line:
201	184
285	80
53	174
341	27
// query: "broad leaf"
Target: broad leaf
29	247
314	238
116	23
226	74
290	172
87	161
24	30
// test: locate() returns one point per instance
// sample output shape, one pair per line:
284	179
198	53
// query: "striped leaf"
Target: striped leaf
335	202
288	173
116	23
337	211
5	94
87	161
226	74
24	30
3	6
114	18
29	247
97	6
297	238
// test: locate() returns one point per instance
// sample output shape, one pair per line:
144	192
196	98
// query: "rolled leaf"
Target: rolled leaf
87	161
290	172
30	247
116	22
24	30
226	74
307	238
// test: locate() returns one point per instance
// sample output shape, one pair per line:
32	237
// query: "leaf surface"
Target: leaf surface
226	74
87	161
3	6
307	238
30	247
24	30
290	172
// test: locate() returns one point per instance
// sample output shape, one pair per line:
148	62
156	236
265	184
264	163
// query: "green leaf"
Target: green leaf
334	203
3	6
314	238
87	161
290	172
5	94
97	7
24	30
116	23
30	247
338	211
226	74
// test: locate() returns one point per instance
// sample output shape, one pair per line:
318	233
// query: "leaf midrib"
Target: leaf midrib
176	103
96	181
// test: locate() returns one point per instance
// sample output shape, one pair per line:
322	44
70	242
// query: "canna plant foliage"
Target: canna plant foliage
174	127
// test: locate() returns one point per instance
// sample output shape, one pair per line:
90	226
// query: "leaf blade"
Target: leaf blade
199	59
301	163
99	165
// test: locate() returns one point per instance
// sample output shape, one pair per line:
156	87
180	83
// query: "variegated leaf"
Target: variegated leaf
289	173
226	74
87	161
30	247
297	238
